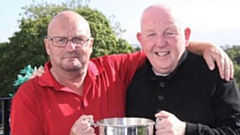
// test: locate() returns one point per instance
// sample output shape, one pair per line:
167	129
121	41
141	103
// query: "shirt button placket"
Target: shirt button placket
161	97
162	84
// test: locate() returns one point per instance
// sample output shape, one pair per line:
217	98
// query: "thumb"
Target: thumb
162	114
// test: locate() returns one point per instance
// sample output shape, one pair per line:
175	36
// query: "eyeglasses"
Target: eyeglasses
62	41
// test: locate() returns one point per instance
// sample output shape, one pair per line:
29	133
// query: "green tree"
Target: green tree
26	46
234	54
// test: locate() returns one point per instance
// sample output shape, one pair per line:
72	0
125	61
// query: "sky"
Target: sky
216	21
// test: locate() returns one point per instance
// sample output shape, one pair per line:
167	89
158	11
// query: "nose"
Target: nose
70	45
161	41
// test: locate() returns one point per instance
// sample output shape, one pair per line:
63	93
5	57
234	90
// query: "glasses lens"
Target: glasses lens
79	40
60	41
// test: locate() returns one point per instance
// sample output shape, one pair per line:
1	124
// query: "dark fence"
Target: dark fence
5	114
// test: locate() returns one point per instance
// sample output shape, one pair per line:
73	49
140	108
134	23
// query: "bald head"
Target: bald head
160	12
66	22
157	9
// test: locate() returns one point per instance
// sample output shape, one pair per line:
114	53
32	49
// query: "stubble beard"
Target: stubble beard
73	67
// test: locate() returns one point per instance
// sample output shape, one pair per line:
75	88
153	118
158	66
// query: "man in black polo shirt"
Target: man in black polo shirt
175	86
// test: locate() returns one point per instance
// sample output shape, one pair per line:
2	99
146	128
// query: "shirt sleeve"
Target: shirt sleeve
127	64
226	106
24	117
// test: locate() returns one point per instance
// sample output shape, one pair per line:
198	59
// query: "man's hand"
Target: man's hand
82	126
39	72
168	124
225	65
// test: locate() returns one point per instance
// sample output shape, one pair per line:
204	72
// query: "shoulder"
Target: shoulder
196	61
196	68
27	91
117	57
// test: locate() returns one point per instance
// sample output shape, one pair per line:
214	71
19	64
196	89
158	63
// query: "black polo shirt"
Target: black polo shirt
191	92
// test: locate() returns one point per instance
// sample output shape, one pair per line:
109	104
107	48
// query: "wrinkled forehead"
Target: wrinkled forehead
68	27
159	18
158	23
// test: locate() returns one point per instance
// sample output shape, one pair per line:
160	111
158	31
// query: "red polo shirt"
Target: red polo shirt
42	106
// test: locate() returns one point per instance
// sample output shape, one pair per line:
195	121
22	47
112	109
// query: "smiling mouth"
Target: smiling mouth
162	53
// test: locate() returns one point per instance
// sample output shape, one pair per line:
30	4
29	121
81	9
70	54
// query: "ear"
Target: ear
139	37
47	44
187	33
91	41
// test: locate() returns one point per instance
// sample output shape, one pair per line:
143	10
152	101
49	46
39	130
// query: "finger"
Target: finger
79	127
162	114
89	119
85	117
88	130
230	69
227	70
84	128
34	74
221	66
210	61
160	124
83	125
163	131
41	70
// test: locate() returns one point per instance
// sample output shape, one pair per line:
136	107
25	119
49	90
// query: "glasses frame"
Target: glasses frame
77	45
